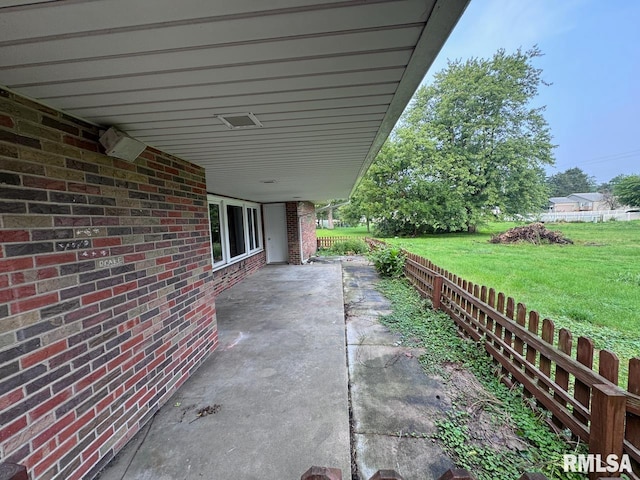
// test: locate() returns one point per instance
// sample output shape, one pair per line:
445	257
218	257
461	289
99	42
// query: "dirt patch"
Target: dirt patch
479	408
535	233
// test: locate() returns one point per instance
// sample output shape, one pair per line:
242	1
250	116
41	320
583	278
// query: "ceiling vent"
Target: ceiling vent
240	120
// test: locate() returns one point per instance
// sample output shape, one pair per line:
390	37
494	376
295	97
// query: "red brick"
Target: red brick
34	303
165	275
17	293
50	404
53	430
107	242
86	464
105	402
55	259
45	273
77	142
81	188
96	296
89	379
134	257
44	183
54	456
11	398
125	287
14	236
43	354
16	264
13	428
40	453
73	427
6	121
132	342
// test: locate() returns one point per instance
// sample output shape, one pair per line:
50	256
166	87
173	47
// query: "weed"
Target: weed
389	261
349	247
538	449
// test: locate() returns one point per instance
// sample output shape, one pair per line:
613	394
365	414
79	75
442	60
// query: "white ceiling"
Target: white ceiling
327	79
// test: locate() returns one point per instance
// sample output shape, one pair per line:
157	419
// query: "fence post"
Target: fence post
12	471
386	475
606	433
457	474
437	291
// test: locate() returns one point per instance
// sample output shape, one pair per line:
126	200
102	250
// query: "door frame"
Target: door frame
284	247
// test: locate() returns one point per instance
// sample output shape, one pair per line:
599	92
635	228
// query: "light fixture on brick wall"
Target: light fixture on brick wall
120	145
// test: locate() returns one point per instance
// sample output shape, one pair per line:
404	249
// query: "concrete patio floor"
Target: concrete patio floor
279	377
280	382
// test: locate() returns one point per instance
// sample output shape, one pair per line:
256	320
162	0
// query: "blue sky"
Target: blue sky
592	58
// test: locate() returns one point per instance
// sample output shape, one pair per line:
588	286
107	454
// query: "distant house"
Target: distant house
561	204
578	202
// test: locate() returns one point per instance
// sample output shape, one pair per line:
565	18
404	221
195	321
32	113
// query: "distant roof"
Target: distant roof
590	196
561	200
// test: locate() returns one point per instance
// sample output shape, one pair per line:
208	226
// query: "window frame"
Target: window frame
221	220
249	211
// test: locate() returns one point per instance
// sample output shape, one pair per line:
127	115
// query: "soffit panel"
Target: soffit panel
310	106
327	79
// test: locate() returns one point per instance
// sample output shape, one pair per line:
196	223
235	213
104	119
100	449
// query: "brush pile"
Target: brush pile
535	233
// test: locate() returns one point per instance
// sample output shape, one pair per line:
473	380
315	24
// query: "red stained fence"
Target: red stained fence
535	355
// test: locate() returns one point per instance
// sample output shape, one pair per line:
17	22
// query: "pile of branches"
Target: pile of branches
533	233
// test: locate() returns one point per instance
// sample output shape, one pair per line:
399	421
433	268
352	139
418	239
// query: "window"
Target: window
235	230
216	232
254	229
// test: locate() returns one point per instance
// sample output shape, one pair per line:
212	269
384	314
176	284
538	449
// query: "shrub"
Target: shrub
389	261
349	247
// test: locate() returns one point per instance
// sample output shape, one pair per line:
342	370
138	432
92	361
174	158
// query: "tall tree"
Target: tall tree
607	189
628	190
469	145
401	196
573	180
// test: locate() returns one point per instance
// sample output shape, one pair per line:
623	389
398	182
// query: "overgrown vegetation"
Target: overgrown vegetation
353	246
389	261
491	430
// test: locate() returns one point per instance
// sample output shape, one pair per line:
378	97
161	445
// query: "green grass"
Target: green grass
592	287
343	232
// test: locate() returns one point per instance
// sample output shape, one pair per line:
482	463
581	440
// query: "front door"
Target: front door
275	229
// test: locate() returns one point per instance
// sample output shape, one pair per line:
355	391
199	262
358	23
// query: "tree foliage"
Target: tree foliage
628	190
607	190
573	180
469	145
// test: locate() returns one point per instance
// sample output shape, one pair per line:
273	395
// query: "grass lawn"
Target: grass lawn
592	287
343	232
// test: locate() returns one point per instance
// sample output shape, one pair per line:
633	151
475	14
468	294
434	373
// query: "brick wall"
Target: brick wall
293	233
301	229
227	277
106	305
307	214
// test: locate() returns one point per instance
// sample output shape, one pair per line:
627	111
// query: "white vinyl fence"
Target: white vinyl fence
595	217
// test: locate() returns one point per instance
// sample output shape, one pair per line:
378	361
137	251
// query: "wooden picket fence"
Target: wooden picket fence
327	242
531	353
